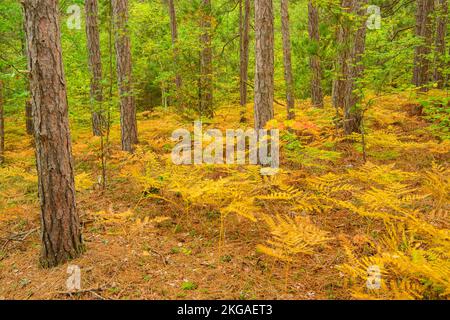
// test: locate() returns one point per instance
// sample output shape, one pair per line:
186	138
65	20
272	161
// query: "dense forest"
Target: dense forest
224	149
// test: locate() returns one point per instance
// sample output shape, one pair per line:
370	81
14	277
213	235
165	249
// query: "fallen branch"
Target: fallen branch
93	291
160	255
19	237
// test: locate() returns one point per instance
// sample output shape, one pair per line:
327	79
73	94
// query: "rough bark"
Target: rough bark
351	41
424	31
264	73
353	114
174	33
123	64
95	65
206	69
2	126
290	98
61	232
440	46
343	36
244	27
314	59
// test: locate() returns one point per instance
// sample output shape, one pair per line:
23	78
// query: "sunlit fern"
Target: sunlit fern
437	183
291	237
410	269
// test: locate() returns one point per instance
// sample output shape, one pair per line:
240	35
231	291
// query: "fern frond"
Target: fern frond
292	236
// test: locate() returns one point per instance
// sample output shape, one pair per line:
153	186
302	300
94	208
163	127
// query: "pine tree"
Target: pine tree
123	57
264	73
61	230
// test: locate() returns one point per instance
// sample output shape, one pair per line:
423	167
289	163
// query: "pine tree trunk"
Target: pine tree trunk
353	114
314	59
2	126
28	107
174	33
206	70
95	65
290	98
440	51
61	232
342	61
351	40
124	77
264	73
424	31
244	27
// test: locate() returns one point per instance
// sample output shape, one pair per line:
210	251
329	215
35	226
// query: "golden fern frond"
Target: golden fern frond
291	237
242	207
290	193
437	183
407	271
309	204
383	175
329	183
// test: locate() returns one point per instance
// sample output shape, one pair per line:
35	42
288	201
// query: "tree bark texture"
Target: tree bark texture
244	29
174	34
353	114
61	232
95	65
264	53
314	59
28	107
440	45
424	32
289	79
206	68
124	75
351	43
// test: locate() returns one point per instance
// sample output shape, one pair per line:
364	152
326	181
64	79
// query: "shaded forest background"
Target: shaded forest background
388	59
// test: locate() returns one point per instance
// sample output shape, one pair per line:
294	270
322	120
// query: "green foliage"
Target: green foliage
437	111
188	285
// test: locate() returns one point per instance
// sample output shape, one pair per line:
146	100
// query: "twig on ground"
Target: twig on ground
93	291
21	236
160	255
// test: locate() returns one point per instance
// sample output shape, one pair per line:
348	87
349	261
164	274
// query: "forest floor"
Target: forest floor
155	232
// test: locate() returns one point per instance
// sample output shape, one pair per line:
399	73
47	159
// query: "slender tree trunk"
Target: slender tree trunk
351	41
440	51
61	232
174	33
290	98
124	69
314	59
424	31
353	114
264	72
95	65
206	69
244	27
342	61
2	126
110	70
28	107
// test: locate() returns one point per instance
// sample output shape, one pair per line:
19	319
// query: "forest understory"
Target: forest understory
162	231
